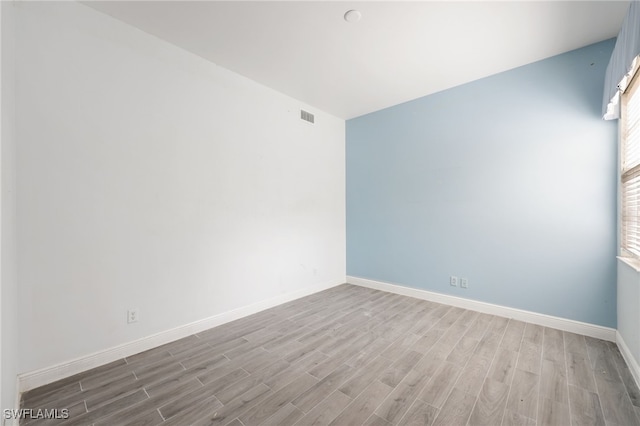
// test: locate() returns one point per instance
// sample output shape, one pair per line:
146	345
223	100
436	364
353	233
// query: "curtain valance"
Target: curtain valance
622	63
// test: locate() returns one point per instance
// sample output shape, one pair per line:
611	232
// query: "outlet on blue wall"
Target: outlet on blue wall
509	181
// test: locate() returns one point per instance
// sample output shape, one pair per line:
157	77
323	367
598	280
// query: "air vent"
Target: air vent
306	116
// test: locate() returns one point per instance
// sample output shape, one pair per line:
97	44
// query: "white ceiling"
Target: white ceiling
399	50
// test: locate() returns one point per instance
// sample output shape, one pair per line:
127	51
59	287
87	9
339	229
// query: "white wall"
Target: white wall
628	302
628	336
151	178
9	285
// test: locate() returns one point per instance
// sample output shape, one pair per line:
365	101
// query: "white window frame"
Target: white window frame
630	169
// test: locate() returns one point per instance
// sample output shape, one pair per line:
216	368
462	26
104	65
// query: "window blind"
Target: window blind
630	156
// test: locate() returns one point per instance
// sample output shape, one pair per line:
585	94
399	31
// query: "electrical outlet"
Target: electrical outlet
464	283
132	315
453	280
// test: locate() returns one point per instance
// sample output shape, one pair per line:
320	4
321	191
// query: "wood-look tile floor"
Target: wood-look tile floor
351	356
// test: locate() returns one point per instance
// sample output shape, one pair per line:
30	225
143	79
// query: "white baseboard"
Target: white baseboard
34	379
632	363
577	327
13	421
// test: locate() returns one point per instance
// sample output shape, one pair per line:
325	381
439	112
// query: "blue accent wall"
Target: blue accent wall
509	181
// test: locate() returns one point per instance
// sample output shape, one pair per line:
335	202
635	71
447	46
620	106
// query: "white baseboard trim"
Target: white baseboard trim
13	421
578	327
628	358
34	379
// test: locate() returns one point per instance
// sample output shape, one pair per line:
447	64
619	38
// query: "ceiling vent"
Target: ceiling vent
306	116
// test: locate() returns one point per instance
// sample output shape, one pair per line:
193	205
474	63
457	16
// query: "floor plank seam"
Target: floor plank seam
566	372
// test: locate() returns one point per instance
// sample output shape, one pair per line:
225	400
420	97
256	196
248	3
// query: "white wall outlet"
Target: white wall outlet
453	281
464	282
132	315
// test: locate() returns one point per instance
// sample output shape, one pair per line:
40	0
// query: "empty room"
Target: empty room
320	213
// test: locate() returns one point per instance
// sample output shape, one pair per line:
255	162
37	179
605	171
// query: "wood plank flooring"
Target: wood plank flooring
355	356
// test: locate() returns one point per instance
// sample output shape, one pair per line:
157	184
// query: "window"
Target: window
630	169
